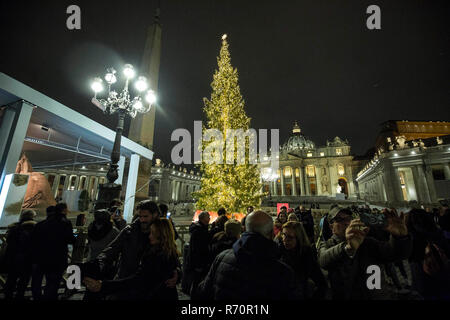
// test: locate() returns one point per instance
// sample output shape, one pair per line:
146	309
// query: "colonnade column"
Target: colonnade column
294	187
318	180
56	185
283	193
430	183
307	186
302	181
397	187
446	171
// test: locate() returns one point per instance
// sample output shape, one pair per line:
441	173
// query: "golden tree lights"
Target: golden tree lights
232	186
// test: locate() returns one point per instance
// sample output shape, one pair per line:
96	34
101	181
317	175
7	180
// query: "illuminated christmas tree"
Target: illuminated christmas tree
233	186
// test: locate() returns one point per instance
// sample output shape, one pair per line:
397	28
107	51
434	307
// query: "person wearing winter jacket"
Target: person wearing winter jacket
101	232
251	270
296	252
50	240
225	239
349	252
156	267
281	219
18	255
199	255
128	247
306	218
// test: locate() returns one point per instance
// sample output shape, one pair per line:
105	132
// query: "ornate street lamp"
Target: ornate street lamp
122	104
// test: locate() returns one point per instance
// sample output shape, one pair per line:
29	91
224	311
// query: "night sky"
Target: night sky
314	61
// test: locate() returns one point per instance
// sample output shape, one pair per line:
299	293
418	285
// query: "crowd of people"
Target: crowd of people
284	258
257	258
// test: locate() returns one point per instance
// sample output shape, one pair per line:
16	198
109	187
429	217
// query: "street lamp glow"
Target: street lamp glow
128	71
110	78
141	84
150	97
97	85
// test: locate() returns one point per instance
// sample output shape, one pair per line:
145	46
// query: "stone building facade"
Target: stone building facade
171	184
84	178
307	170
405	172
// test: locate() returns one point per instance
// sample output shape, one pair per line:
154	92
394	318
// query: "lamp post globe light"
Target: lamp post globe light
123	104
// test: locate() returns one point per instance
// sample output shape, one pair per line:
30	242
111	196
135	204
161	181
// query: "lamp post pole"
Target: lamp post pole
113	174
123	105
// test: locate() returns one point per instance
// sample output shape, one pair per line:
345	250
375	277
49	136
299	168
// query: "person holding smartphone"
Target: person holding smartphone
116	211
349	252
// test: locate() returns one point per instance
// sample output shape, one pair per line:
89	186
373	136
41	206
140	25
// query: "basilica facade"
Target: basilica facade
308	170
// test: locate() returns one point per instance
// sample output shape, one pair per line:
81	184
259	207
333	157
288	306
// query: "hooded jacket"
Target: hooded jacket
249	271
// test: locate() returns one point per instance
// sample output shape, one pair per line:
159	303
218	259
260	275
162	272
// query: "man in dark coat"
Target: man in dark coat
251	270
129	245
348	254
199	255
50	239
306	218
18	255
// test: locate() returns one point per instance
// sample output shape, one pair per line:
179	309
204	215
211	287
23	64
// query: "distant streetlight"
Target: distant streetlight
122	104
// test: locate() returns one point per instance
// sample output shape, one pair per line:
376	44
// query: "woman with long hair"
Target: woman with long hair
296	251
281	219
157	265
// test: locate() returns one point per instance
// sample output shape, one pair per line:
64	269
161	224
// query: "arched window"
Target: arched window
82	184
310	171
340	169
287	172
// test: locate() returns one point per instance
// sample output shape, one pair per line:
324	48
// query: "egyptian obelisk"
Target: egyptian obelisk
143	126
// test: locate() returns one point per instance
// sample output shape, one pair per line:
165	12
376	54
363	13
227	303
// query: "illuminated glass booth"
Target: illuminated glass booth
71	150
